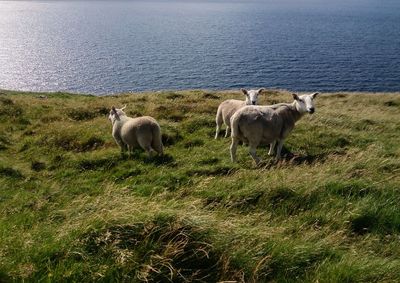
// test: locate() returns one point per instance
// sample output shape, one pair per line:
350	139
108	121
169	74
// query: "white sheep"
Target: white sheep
130	133
257	125
227	108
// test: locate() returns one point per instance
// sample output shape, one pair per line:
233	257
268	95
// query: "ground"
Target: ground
73	209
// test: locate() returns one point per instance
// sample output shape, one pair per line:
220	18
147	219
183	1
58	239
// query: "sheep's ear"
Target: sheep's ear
114	110
261	90
314	95
295	96
123	107
244	91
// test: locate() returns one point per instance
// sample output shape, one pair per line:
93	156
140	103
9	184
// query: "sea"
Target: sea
107	47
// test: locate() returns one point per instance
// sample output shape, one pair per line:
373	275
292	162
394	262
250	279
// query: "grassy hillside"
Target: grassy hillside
73	209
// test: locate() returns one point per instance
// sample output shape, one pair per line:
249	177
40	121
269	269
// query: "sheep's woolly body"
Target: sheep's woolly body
131	133
224	113
257	125
274	124
228	107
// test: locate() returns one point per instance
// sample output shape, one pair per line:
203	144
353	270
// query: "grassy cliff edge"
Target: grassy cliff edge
73	209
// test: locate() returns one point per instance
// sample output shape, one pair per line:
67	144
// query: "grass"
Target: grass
73	209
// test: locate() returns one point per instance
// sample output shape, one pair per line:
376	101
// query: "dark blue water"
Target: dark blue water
116	46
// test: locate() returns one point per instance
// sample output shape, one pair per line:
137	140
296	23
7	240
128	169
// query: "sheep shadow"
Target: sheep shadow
297	159
291	158
141	156
164	159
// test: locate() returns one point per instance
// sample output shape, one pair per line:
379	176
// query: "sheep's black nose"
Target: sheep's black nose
312	110
253	102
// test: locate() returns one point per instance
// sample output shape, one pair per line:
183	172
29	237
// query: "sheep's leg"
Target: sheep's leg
271	148
218	122
123	152
233	149
279	149
122	145
130	150
253	154
227	131
217	131
149	150
146	145
158	147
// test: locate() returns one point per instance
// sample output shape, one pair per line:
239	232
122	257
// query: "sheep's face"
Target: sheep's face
305	103
252	95
116	113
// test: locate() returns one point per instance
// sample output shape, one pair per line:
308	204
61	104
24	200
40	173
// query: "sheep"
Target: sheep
130	133
268	124
227	108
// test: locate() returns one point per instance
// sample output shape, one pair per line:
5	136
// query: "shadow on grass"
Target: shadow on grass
194	125
216	171
83	114
164	159
171	137
293	159
209	161
384	221
4	277
38	165
10	173
161	250
72	142
297	159
243	203
290	158
193	143
155	159
9	109
392	103
279	201
4	142
210	96
98	164
173	96
351	189
122	176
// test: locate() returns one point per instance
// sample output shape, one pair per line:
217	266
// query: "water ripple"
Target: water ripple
115	46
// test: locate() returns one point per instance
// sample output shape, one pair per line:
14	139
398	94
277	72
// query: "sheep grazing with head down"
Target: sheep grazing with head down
130	133
227	108
257	125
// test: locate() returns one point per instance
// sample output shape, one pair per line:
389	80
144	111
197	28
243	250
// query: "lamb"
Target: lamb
268	124
227	108
130	133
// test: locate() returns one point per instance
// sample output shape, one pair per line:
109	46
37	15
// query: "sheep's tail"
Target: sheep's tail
157	141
